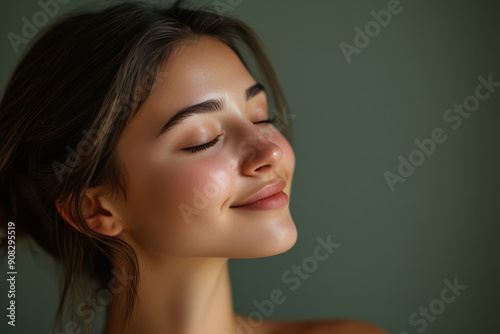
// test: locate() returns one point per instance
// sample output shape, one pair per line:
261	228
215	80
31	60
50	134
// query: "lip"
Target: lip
270	196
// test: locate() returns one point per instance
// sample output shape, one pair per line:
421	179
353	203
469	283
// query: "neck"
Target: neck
178	295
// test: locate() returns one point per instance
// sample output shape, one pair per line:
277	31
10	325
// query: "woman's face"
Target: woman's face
179	202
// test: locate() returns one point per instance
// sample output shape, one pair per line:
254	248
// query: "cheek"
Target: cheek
178	204
197	190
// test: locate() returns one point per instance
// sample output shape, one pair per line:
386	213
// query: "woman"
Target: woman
141	152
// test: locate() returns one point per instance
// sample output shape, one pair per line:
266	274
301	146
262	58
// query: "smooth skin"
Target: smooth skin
184	282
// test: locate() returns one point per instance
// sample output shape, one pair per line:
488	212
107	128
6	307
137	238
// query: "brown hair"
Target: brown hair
64	109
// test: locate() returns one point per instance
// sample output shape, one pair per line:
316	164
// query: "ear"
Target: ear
98	211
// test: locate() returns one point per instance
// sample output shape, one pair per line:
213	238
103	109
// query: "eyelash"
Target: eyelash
202	147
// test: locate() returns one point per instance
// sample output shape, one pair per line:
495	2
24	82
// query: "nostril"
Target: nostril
261	167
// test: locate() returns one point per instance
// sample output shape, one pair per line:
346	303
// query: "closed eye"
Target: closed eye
270	120
211	143
202	147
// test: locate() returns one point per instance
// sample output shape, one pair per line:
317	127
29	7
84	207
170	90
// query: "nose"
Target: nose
260	155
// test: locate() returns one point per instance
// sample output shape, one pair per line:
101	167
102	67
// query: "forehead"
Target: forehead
200	67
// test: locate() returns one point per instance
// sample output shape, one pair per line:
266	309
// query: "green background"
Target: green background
351	123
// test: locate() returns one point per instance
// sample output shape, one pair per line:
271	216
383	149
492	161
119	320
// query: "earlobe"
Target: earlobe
100	219
109	229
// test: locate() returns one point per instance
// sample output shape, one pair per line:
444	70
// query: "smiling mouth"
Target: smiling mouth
270	197
273	202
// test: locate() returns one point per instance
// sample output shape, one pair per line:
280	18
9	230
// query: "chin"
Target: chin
287	239
279	239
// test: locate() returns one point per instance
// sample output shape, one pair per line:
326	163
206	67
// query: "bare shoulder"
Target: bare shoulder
319	326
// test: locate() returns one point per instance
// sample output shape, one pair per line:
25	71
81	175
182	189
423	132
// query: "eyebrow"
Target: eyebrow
207	106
